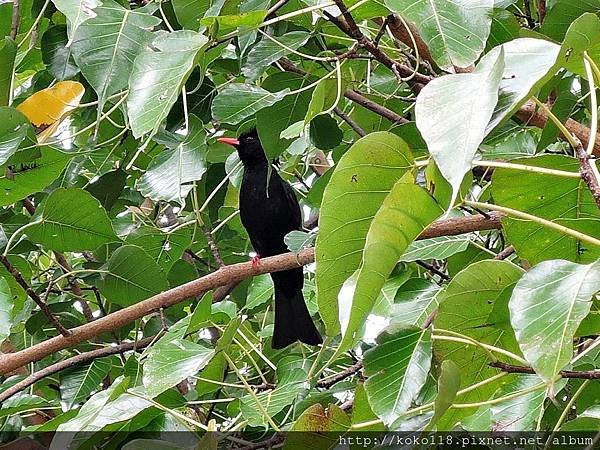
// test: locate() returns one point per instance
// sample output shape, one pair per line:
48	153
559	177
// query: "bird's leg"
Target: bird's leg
256	261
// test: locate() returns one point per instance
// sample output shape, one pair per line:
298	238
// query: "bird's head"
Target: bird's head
248	147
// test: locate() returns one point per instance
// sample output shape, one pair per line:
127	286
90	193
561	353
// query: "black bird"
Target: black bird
267	219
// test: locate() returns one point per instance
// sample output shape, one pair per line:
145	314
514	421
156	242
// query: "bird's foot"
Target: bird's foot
256	261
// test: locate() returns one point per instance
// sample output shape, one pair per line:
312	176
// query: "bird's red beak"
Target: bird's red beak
229	141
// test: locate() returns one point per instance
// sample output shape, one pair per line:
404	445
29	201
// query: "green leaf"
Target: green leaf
237	101
171	173
165	248
454	31
260	291
159	73
14	129
8	51
397	368
482	288
562	13
565	201
436	248
272	402
6	309
78	11
528	64
404	214
453	132
105	46
56	55
448	385
132	275
521	413
583	35
546	307
271	121
266	52
317	428
414	301
360	182
72	220
298	240
79	382
171	361
362	411
108	187
22	402
31	177
323	97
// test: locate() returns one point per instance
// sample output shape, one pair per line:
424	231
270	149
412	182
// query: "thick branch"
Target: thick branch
356	127
538	118
510	368
375	107
34	296
70	362
75	287
222	277
14	27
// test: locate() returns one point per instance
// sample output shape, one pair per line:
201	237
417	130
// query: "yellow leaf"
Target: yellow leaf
47	108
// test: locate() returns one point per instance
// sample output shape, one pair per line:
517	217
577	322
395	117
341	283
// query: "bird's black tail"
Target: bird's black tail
292	319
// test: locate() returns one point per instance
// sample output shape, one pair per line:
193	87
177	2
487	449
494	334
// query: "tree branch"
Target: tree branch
510	368
529	114
415	79
587	172
73	361
326	383
222	277
342	115
14	27
34	296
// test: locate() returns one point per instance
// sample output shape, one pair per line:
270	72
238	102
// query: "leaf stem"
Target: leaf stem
547	223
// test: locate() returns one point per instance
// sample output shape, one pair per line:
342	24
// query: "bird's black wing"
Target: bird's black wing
293	207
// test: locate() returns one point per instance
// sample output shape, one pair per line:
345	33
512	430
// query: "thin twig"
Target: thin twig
511	368
34	296
432	269
587	171
505	253
342	115
213	246
326	383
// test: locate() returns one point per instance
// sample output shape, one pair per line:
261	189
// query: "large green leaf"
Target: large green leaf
528	64
565	201
105	46
237	101
78	382
271	121
397	369
404	214
159	73
260	291
56	55
361	180
6	309
8	51
547	306
562	13
165	248
78	11
455	31
583	35
23	179
475	304
266	52
318	428
171	173
72	220
131	275
14	129
272	402
453	112
172	360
